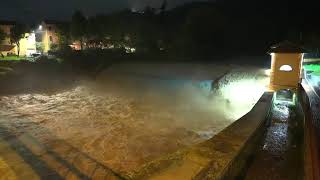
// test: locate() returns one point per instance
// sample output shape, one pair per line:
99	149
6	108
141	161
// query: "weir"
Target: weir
274	140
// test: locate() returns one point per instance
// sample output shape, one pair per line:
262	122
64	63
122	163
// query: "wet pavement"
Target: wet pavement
280	155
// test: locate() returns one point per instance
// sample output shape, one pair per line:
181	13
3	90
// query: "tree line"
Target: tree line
183	30
201	28
222	27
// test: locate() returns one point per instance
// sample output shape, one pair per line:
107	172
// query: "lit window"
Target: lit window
286	68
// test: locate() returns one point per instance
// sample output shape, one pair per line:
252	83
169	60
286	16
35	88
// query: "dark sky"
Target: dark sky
31	10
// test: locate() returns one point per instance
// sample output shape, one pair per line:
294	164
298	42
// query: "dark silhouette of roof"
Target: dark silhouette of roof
6	47
5	22
286	47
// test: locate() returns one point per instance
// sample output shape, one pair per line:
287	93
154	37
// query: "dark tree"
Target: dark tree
17	32
78	27
204	31
149	11
98	31
312	42
3	35
163	7
63	32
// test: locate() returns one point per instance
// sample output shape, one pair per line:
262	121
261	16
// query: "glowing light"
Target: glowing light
279	100
286	68
312	67
242	94
242	91
130	50
40	27
267	72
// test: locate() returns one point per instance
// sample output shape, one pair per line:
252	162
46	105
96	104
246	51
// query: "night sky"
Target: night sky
33	10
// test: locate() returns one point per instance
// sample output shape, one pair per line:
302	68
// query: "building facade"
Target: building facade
27	44
42	39
47	36
5	45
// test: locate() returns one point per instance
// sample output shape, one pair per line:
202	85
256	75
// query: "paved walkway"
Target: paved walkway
280	153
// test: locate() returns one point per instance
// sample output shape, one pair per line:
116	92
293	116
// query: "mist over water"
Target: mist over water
185	94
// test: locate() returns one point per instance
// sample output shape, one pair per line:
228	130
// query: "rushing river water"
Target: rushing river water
124	124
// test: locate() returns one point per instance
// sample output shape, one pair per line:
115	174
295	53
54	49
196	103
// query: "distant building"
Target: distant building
27	44
47	34
5	45
76	45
